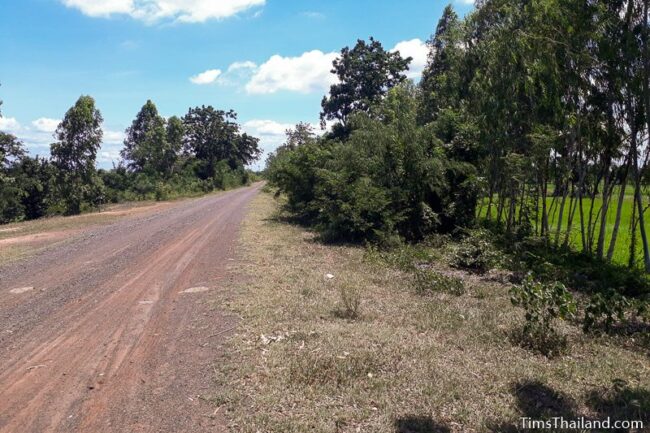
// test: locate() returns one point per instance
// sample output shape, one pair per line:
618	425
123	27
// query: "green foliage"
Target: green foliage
544	303
427	281
605	308
11	152
79	137
36	179
365	73
294	173
212	136
154	165
390	178
443	82
476	252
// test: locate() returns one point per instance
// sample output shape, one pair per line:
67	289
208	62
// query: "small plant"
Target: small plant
350	307
544	303
427	281
611	305
475	253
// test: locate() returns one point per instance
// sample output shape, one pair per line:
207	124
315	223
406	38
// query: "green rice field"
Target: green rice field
622	248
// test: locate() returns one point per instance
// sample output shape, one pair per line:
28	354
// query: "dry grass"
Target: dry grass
407	363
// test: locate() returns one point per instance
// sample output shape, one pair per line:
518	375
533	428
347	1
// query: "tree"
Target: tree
35	178
147	147
442	82
213	135
79	137
366	73
11	149
302	133
11	152
175	134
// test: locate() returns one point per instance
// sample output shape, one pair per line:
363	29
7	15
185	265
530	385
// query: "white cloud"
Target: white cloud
113	137
416	49
45	124
101	8
36	141
266	127
271	135
311	71
188	11
9	124
236	66
306	73
207	77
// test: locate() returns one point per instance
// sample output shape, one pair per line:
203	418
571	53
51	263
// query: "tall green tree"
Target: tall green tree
175	134
365	73
147	147
442	82
35	178
74	155
213	135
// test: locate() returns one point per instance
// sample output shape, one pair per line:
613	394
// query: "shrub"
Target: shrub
475	252
389	178
143	186
605	309
427	281
163	191
544	303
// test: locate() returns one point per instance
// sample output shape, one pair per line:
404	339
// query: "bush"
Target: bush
475	252
163	191
294	173
544	303
427	281
143	186
390	178
606	308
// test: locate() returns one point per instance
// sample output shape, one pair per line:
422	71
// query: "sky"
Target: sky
269	60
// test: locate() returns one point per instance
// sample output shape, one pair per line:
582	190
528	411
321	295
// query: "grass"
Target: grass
443	362
622	247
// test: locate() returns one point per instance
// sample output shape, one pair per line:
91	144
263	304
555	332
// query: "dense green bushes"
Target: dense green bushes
390	178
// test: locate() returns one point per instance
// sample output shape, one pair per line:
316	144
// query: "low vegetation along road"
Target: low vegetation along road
111	331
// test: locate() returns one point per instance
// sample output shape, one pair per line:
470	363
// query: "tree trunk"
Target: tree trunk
617	222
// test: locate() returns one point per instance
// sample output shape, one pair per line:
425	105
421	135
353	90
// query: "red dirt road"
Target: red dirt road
106	341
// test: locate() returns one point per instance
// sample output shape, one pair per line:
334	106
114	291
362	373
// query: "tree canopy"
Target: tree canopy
365	74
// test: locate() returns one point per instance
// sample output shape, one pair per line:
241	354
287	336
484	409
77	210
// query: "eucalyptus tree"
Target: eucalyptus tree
147	146
79	137
443	85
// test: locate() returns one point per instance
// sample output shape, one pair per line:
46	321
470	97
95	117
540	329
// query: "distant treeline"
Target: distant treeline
538	111
161	158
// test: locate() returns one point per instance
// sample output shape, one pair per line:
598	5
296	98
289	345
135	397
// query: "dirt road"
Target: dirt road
100	335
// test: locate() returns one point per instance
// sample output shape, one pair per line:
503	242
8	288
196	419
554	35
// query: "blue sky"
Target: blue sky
266	59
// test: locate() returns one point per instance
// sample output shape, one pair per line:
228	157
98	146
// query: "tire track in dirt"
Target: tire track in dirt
115	345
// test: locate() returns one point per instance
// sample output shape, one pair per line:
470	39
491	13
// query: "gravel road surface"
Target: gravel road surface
101	334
